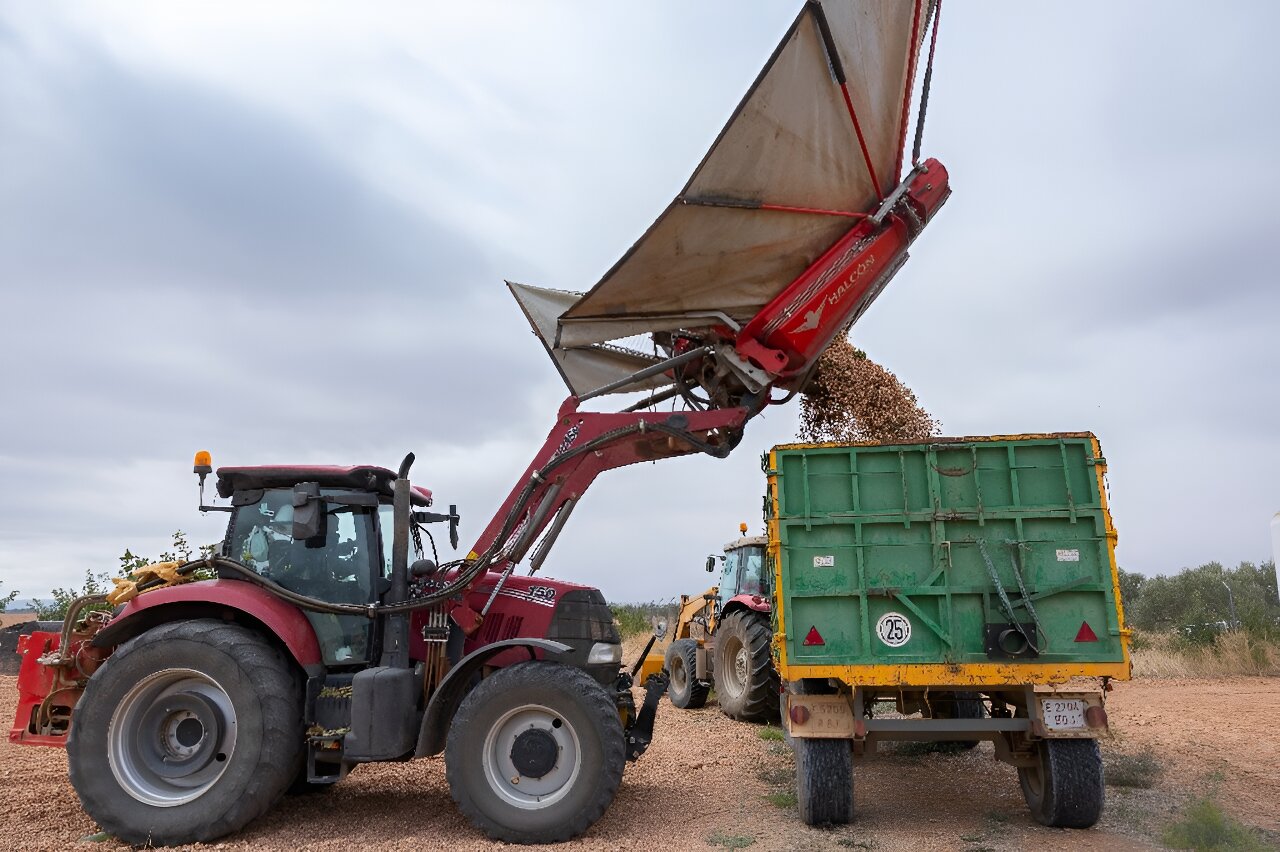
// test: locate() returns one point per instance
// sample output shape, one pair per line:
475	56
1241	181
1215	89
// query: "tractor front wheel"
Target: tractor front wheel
535	753
684	689
186	733
746	681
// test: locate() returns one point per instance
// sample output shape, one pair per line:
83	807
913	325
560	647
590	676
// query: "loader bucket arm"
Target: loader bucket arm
580	446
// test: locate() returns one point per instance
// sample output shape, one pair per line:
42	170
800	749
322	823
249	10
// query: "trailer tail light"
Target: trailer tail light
814	637
1095	716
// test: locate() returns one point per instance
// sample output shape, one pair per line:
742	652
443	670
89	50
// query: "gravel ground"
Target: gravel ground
706	782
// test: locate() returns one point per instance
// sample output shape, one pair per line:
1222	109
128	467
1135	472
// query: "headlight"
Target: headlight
604	652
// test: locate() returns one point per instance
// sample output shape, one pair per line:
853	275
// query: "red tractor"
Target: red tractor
325	637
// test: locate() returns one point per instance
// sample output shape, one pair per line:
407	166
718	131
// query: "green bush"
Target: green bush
100	584
1142	769
729	841
635	619
94	584
783	799
5	600
1205	826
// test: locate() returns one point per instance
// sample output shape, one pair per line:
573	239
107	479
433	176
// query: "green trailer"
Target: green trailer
956	589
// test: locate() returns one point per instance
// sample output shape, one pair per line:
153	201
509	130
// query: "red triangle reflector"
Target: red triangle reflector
814	637
1086	633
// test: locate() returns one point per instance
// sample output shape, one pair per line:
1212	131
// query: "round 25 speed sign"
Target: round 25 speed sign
893	629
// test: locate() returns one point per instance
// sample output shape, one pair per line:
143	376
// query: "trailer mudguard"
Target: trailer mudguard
448	696
217	599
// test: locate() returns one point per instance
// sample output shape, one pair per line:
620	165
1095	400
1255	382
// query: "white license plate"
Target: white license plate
1061	714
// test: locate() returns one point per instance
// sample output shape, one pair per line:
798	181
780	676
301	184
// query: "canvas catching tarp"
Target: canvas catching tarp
779	186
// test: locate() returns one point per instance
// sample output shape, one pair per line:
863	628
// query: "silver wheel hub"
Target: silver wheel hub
532	757
171	737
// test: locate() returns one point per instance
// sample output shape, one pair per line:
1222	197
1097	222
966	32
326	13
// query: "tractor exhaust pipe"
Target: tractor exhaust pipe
395	632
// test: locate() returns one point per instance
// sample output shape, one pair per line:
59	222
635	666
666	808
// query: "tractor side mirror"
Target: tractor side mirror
711	564
309	511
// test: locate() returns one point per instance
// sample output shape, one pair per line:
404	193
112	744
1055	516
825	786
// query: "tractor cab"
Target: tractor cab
322	532
742	572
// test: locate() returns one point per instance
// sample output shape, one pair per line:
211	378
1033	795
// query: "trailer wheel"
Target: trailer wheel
824	780
746	681
535	753
960	705
186	733
1065	788
685	690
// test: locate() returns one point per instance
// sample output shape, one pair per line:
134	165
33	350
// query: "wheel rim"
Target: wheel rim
171	737
679	676
521	742
1033	777
739	668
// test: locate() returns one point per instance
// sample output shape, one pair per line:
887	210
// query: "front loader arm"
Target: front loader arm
580	446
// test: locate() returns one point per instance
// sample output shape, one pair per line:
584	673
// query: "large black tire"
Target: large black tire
824	780
535	753
746	681
1065	789
187	733
959	705
684	689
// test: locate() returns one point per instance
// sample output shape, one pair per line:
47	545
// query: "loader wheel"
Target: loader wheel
1065	788
535	753
824	780
186	733
685	690
746	682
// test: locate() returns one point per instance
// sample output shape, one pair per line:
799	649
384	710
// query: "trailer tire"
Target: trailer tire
746	681
548	725
186	733
684	688
1065	789
824	780
960	705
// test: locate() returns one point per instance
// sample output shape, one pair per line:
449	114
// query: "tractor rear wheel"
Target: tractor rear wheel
684	689
535	753
186	733
746	681
1065	788
824	780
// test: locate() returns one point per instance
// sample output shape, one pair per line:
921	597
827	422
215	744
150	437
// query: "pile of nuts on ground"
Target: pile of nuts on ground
850	398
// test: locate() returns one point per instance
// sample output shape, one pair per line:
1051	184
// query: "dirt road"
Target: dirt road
706	782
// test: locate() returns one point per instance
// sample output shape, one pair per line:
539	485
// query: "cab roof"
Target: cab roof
377	480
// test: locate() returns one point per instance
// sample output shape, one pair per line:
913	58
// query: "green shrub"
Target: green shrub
729	841
781	799
1205	826
5	600
1142	769
769	732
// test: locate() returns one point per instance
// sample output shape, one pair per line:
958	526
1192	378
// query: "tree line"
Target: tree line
1201	602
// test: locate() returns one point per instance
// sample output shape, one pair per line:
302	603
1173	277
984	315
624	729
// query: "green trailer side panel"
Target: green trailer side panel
917	531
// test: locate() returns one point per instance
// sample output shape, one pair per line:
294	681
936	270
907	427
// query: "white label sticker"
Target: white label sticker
1072	555
893	629
824	562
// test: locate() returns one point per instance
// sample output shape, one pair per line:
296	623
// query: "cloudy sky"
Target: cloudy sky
279	232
